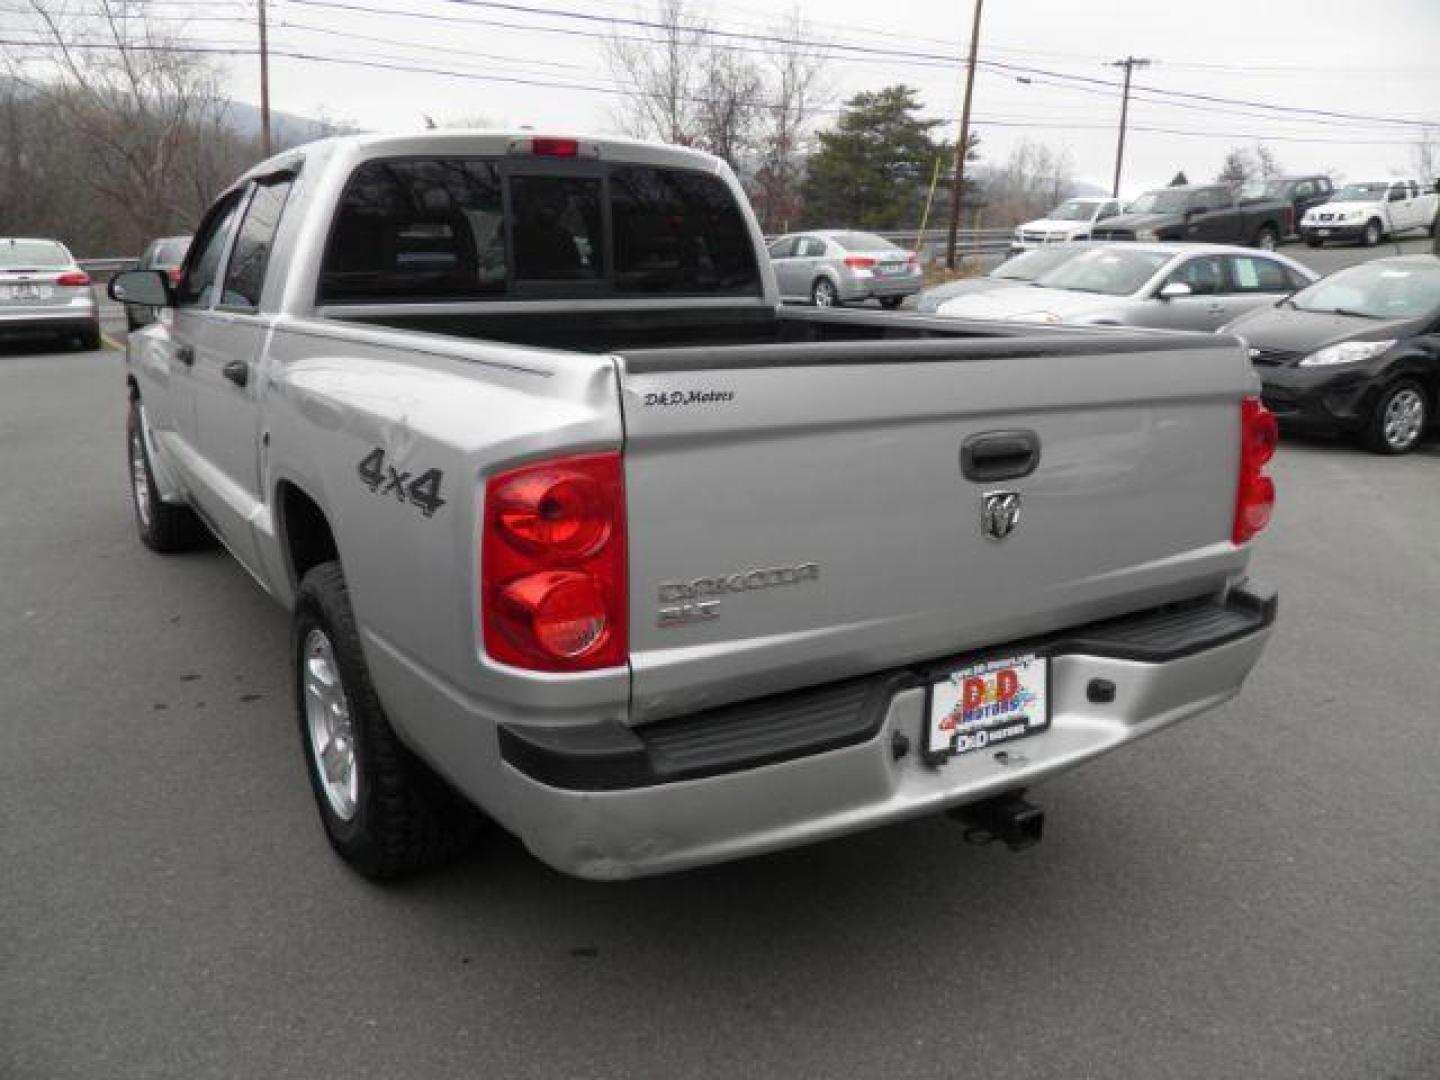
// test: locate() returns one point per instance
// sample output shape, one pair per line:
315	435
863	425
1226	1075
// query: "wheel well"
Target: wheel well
308	538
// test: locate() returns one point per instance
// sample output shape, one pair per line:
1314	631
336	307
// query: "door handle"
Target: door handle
185	354
1000	455
237	371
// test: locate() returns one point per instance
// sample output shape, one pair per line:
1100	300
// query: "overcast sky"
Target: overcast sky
1376	59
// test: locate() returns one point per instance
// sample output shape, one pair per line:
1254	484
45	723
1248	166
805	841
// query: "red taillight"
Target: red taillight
73	279
174	275
553	590
1255	497
912	258
859	262
547	147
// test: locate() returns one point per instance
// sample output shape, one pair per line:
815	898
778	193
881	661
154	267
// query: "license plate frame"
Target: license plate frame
953	730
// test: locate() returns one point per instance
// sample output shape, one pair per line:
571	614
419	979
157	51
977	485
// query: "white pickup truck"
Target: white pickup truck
1369	211
579	526
1071	220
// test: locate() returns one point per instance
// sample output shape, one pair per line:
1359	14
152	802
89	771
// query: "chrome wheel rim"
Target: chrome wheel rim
1404	418
139	478
329	724
824	295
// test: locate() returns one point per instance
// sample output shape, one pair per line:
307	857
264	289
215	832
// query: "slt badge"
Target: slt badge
999	513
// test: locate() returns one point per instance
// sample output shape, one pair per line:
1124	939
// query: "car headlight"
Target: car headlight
1347	352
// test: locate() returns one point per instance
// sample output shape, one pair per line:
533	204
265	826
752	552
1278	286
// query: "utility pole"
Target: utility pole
264	85
957	183
1129	64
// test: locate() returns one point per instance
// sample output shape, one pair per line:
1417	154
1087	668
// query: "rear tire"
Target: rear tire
1267	239
384	811
163	528
823	293
1397	423
90	339
1371	234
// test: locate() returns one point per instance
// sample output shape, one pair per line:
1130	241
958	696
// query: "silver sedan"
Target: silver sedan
44	291
1166	286
832	266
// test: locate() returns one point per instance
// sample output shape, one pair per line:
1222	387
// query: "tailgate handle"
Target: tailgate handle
1000	455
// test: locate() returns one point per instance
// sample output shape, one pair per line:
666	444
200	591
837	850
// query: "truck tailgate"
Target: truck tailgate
799	513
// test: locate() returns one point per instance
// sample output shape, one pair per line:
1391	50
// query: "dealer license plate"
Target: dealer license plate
1324	232
29	292
989	703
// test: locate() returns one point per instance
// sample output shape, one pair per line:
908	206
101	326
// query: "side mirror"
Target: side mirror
1175	289
148	287
1397	196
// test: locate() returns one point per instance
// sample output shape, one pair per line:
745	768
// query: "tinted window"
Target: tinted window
1253	274
678	231
557	227
203	263
245	275
417	230
1204	275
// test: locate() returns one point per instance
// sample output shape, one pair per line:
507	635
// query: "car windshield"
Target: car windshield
1072	210
1112	271
32	255
860	241
1361	192
1160	202
1033	264
1375	290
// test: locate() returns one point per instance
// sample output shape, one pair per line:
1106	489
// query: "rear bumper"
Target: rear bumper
606	801
854	288
68	320
1333	232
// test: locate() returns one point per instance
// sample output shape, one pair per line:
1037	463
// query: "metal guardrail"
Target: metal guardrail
930	245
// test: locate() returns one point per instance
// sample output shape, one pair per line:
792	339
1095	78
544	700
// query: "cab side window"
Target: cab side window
1252	274
202	265
245	274
1202	274
783	249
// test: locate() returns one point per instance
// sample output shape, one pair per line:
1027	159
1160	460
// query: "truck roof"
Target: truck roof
488	143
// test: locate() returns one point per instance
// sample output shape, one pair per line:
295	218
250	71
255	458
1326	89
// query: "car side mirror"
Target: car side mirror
1397	196
148	287
1175	289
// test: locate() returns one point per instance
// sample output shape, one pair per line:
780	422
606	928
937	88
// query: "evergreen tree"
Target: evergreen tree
874	168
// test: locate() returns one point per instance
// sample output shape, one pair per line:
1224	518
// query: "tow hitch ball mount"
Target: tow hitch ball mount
1008	818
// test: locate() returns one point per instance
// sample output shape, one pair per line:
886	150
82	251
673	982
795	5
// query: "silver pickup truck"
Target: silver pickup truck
581	528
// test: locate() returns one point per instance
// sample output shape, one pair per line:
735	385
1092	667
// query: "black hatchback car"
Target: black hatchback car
1357	352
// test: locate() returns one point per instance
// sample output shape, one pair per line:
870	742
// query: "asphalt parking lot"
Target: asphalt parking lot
1253	894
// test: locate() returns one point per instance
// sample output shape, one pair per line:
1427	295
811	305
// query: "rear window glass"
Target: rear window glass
417	230
557	227
859	241
678	232
436	229
32	255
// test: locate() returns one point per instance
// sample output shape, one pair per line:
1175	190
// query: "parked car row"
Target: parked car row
1357	352
1371	211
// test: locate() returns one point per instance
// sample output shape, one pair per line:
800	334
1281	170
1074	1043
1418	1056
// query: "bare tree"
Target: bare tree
1236	170
140	118
662	71
1033	179
1267	165
796	91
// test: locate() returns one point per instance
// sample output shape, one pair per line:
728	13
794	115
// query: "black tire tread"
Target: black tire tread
172	529
409	819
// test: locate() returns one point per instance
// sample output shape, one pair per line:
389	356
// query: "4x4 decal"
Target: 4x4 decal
385	479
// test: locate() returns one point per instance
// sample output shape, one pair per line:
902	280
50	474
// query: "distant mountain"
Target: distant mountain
286	129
